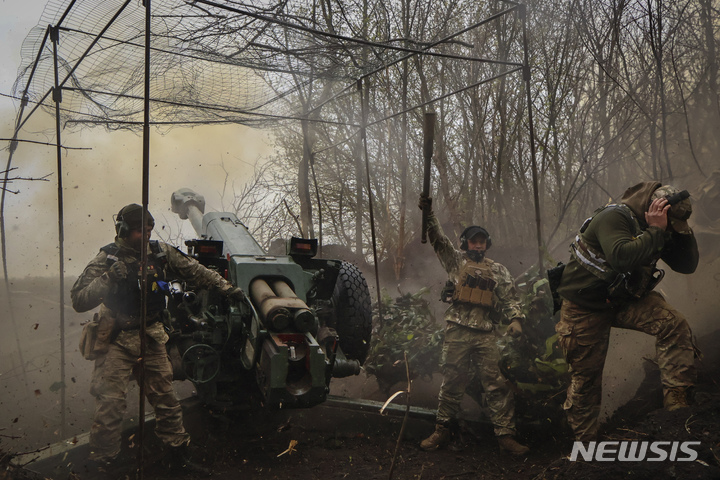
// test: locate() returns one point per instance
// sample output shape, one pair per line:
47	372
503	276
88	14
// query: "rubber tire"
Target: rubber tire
352	312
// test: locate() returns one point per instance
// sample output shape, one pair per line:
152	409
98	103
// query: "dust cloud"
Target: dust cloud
107	175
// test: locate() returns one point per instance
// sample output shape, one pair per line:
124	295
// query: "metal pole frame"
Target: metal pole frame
3	247
144	245
3	243
57	98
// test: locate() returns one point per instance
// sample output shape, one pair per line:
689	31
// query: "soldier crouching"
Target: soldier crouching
609	282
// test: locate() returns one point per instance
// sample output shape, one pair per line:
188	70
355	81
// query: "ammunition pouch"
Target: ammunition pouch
475	295
475	286
96	336
636	284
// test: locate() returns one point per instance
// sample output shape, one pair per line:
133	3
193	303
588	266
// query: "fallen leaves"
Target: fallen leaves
290	449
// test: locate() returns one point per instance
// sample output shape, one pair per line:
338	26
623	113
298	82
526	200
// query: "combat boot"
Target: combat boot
512	446
675	399
178	459
439	438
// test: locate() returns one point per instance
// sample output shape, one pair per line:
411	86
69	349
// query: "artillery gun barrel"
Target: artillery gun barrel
196	217
263	297
223	226
273	337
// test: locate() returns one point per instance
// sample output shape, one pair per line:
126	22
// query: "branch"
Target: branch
44	143
297	222
5	182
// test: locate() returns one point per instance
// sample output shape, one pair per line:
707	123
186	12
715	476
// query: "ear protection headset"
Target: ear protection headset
470	232
121	226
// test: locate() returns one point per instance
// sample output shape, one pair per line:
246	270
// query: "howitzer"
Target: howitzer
305	320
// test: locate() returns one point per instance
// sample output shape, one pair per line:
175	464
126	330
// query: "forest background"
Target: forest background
622	92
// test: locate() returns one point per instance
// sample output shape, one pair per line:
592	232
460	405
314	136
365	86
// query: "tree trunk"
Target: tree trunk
306	220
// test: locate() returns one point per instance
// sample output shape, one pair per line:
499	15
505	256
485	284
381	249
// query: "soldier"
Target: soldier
483	292
609	282
112	281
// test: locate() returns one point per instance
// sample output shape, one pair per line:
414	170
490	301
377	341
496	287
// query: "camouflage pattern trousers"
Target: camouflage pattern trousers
584	336
471	355
110	387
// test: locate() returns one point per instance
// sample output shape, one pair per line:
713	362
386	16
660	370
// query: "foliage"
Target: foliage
534	295
407	325
534	362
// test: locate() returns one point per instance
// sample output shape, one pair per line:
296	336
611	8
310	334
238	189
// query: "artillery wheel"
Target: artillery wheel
201	363
352	314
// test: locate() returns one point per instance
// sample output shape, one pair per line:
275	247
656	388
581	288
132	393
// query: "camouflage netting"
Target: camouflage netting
254	63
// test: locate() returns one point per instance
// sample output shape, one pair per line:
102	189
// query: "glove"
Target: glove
448	291
514	329
118	271
236	294
425	202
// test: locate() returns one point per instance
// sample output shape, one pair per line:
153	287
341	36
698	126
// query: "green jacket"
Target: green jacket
506	306
629	246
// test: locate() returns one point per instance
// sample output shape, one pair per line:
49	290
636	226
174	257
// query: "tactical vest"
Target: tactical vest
621	285
127	298
475	285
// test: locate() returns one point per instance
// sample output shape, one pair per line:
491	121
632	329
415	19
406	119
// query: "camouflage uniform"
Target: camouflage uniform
113	371
470	346
591	306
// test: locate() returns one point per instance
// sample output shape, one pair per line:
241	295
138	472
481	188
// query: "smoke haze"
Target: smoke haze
98	182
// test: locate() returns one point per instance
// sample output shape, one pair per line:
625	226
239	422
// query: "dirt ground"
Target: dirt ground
335	442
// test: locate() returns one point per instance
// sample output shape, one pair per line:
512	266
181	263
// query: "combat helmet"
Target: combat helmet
130	218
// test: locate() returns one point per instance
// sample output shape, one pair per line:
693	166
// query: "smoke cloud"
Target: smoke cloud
99	181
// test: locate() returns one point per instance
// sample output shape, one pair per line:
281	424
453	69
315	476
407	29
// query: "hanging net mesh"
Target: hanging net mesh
233	62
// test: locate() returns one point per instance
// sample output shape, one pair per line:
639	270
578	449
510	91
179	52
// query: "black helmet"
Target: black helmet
130	218
470	232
